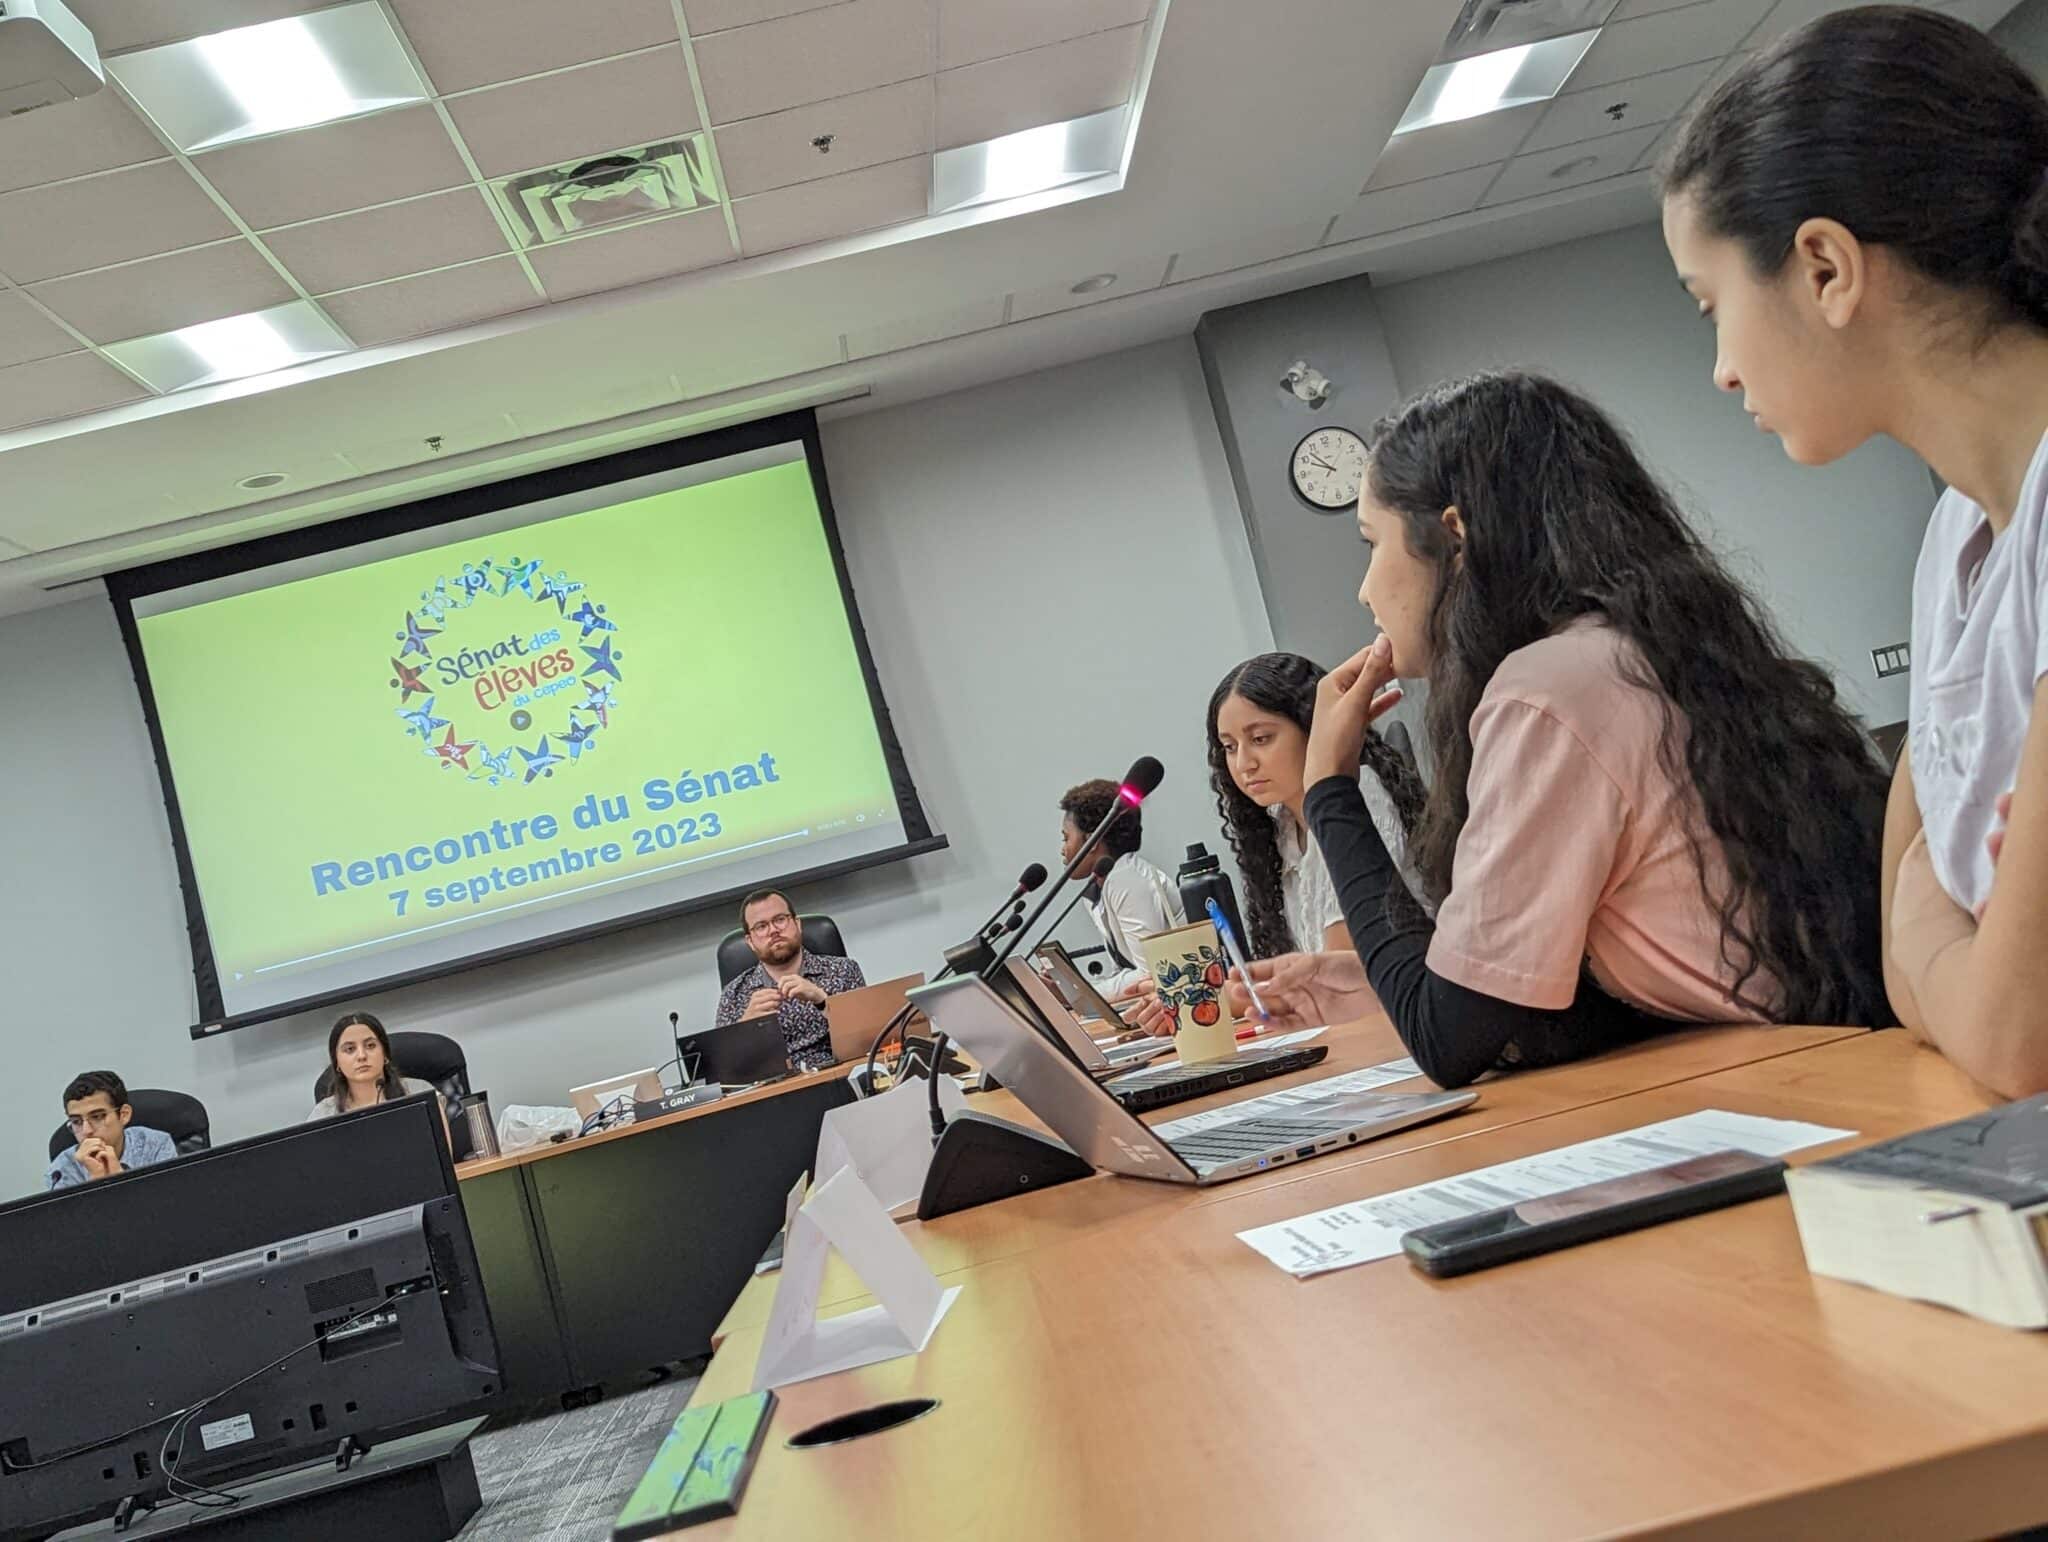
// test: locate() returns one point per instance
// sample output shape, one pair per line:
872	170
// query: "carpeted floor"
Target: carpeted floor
564	1477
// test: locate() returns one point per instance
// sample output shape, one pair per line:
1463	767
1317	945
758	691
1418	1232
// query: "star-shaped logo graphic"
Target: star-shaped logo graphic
601	660
592	618
408	682
421	720
518	575
475	580
541	761
578	737
449	753
598	699
414	638
496	768
558	589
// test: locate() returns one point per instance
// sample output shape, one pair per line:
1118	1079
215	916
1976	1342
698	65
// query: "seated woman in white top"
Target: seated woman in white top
1259	719
1128	897
360	1070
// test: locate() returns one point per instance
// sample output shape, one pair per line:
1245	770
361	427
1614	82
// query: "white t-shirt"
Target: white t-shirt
1977	652
1306	893
1138	899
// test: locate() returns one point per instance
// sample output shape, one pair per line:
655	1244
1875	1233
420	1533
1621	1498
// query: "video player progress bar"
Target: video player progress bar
540	899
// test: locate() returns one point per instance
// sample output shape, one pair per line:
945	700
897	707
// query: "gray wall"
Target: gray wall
1831	550
1052	572
2024	33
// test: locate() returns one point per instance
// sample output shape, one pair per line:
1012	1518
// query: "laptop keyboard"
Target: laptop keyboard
1249	1137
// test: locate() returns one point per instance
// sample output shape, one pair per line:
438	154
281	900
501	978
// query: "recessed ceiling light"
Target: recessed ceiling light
273	77
1092	284
1030	161
233	348
1489	82
260	481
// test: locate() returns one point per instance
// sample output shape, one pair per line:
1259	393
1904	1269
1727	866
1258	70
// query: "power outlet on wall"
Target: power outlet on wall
1891	659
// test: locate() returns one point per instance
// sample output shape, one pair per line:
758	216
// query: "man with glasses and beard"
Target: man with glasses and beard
787	982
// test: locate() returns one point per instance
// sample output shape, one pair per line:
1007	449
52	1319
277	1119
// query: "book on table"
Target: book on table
1956	1214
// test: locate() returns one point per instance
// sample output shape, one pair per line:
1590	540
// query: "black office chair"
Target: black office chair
425	1057
178	1114
735	958
1890	741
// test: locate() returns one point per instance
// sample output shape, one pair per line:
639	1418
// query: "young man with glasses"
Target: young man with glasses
96	1106
787	982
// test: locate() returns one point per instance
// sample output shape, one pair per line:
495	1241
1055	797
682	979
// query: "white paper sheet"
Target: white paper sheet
887	1139
1292	1100
797	1345
1368	1229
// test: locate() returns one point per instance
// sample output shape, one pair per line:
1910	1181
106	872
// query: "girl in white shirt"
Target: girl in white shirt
1259	719
1861	210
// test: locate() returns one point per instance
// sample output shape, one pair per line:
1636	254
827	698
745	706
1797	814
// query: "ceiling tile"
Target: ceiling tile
1629	9
335	167
681	243
1046	85
161	294
1572	166
973	30
814	56
473	45
1246	251
895	336
1029	304
708	16
1448	147
98	133
119	25
26	333
1666	40
867	129
348	250
834	206
62	388
433	302
1610	109
1788	14
578	113
1980	13
1416	203
66	227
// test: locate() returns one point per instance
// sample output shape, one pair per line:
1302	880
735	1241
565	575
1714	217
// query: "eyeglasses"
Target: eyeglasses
772	924
97	1119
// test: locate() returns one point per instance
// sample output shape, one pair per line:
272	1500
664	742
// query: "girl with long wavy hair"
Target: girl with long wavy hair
1259	718
1646	812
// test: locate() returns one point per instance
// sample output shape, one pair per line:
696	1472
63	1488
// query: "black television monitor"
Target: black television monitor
243	1310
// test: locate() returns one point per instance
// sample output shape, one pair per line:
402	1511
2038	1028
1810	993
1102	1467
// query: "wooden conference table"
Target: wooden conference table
1140	1369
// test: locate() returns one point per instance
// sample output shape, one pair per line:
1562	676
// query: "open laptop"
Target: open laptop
1139	1090
1083	1114
1098	1017
618	1094
857	1016
737	1055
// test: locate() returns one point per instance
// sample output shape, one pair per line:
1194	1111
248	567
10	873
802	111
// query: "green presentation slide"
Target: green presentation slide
434	754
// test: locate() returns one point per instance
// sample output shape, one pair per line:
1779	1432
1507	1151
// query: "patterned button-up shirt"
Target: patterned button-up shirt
805	1029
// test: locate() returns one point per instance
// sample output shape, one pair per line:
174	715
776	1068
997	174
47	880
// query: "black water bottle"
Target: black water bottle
1201	879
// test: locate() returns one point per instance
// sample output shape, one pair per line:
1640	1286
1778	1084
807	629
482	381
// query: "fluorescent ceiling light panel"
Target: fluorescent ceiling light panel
1507	77
233	348
271	78
1029	161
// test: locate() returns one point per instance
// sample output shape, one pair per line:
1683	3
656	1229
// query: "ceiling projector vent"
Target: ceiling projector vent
1486	26
615	189
46	57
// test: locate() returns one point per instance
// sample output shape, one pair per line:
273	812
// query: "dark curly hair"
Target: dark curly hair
1088	804
1562	520
1285	683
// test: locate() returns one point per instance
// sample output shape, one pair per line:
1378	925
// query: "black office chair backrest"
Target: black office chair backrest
1890	740
735	958
425	1057
178	1114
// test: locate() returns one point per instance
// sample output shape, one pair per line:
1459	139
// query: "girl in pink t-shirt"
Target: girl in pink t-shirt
1862	211
1645	811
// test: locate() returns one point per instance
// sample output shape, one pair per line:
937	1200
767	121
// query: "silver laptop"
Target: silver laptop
1089	1119
1100	1059
617	1094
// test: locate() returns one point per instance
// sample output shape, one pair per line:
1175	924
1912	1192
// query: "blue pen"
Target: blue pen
1236	955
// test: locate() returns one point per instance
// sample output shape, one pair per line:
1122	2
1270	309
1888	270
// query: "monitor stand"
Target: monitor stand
420	1486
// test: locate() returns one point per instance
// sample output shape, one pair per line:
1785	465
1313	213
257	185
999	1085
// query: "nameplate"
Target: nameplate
675	1102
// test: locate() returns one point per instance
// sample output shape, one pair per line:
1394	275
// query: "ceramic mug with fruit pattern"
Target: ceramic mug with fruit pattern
1188	966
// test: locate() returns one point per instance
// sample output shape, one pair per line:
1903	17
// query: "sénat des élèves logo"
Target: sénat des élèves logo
494	696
